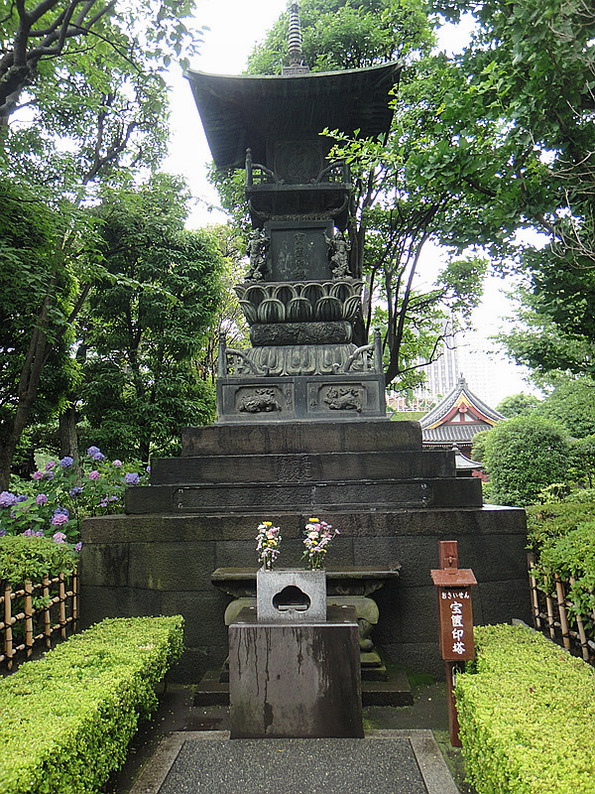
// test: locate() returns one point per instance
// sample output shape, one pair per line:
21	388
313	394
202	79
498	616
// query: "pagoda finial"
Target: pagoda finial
296	55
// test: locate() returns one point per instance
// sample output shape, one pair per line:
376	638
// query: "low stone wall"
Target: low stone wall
162	564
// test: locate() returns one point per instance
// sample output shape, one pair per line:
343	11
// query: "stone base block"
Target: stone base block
295	681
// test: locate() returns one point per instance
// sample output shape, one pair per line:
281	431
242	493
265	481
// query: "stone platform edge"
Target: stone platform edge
432	766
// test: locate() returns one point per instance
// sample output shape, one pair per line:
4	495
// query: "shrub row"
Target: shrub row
526	710
550	521
67	719
24	558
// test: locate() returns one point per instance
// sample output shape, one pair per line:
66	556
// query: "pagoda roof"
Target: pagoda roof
241	111
459	433
440	424
463	463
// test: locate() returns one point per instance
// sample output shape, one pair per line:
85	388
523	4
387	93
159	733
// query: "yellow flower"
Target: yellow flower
314	520
267	523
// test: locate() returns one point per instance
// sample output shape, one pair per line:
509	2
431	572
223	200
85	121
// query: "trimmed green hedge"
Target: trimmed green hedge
66	720
526	710
31	558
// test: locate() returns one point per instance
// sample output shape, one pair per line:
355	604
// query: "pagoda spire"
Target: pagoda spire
294	38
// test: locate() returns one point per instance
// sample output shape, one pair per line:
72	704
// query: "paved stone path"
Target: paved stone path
385	762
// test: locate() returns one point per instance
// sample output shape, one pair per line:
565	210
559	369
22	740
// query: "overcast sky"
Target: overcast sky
235	27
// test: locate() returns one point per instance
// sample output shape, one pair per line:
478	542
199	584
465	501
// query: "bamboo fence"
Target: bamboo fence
554	615
36	614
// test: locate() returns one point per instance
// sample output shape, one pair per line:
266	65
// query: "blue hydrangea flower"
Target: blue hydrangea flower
99	456
61	511
8	499
66	462
93	451
21	498
131	478
76	491
78	546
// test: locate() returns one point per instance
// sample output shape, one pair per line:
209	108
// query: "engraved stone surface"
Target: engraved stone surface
299	250
259	400
300	334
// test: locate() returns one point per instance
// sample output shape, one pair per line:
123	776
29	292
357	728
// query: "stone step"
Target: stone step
374	435
300	467
250	497
395	691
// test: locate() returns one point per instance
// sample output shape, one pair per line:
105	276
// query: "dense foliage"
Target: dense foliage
524	455
80	705
526	709
144	328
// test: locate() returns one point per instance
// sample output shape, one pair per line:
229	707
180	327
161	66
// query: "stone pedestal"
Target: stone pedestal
299	680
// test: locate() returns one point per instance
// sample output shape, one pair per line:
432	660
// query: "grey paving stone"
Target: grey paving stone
296	766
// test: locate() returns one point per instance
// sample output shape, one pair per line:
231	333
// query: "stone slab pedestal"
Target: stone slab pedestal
298	680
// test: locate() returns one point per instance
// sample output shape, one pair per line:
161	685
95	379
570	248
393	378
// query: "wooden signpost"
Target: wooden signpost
455	621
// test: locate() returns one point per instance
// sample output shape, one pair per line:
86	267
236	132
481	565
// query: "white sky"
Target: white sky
235	27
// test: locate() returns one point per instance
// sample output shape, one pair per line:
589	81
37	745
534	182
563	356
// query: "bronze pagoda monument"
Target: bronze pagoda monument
300	296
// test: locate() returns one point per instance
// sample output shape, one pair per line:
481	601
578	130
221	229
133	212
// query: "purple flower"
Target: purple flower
2	533
93	451
59	537
98	456
61	511
21	498
132	478
28	533
41	499
7	499
76	491
66	462
49	475
117	463
148	469
59	520
78	546
94	475
37	475
39	534
50	465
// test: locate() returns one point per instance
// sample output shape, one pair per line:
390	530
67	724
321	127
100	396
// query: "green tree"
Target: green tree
144	328
99	118
572	405
533	64
524	455
536	341
229	320
518	405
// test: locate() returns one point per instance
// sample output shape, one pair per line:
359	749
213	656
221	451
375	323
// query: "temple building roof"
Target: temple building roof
241	112
458	418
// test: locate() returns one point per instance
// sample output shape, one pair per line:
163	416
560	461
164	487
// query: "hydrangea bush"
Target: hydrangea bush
59	496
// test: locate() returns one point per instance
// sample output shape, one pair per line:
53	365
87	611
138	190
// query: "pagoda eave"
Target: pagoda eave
241	111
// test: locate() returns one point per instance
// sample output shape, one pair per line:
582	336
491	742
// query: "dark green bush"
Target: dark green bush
526	710
547	522
524	455
67	719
